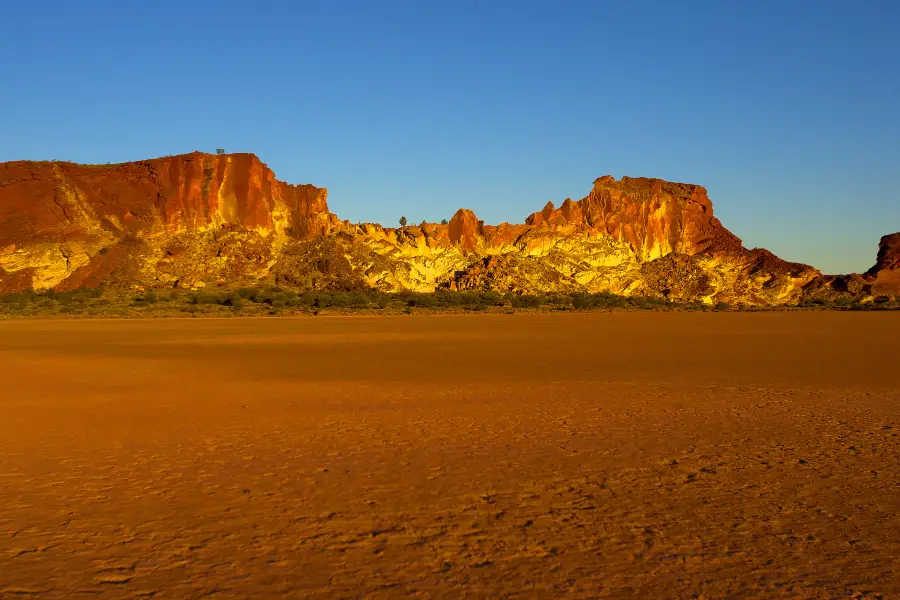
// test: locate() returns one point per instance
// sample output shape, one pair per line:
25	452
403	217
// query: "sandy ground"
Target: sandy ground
634	455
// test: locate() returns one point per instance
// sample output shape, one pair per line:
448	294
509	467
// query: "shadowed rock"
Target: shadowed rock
885	274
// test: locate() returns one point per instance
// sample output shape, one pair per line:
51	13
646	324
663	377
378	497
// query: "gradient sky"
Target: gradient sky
788	112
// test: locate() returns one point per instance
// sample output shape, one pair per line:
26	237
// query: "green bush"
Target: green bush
413	299
582	301
559	299
527	301
322	301
358	299
205	298
233	299
636	301
491	298
340	300
445	298
843	302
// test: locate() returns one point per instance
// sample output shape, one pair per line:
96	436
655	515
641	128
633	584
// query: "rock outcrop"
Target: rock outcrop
885	275
56	218
200	219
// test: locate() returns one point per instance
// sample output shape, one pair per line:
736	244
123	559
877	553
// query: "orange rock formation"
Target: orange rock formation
885	274
201	219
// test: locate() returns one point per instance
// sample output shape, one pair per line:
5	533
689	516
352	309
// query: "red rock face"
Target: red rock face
465	229
654	217
888	254
886	272
50	201
198	218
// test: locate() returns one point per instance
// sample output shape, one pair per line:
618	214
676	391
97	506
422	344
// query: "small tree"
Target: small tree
220	151
402	221
443	221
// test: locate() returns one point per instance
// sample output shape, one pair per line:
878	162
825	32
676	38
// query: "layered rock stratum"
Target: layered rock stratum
198	220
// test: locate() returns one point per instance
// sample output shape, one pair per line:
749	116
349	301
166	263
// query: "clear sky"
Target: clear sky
787	111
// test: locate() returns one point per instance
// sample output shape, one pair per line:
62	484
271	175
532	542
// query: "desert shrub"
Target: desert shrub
477	307
307	299
358	299
815	303
339	300
491	298
694	306
720	306
470	298
205	298
248	293
527	301
322	301
79	296
582	301
233	299
263	297
382	300
606	299
559	299
352	299
638	301
286	298
418	299
843	302
150	297
445	298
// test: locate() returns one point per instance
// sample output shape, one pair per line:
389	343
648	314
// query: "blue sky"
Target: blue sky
788	112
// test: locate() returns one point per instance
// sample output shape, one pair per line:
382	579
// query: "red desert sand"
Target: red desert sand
633	455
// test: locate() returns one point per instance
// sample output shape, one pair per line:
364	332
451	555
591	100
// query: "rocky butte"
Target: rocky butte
199	220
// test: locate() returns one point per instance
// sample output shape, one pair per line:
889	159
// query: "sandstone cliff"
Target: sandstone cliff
885	275
200	219
62	223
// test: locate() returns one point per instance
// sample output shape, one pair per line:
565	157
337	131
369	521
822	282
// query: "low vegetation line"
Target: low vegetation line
274	301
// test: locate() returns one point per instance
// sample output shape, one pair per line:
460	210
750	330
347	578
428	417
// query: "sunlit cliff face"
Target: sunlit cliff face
198	219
